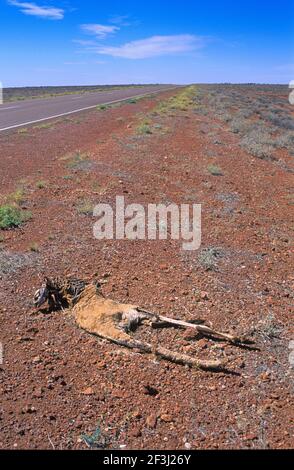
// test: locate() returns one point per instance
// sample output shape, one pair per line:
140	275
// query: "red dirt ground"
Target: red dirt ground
57	382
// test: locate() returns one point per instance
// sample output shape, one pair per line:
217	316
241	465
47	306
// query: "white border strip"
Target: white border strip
85	109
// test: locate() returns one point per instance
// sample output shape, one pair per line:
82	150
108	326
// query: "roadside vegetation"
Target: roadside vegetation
77	161
48	125
182	101
12	216
144	127
85	207
215	170
209	257
20	94
41	184
262	120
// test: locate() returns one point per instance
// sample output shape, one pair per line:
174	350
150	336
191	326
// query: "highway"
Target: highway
31	111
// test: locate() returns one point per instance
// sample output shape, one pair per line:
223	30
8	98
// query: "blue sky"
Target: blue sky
75	42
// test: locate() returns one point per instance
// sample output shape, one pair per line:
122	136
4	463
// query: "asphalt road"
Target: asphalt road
18	114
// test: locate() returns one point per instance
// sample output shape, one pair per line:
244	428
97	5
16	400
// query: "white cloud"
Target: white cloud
99	30
154	46
82	42
50	13
122	20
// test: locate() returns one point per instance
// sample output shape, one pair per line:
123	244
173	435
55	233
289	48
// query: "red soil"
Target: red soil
57	382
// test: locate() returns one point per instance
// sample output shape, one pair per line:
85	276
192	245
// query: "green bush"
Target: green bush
41	184
144	129
101	107
215	170
12	216
132	101
208	258
85	207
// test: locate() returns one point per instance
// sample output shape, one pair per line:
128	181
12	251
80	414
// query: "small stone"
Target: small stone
22	339
29	409
166	418
204	295
189	334
151	421
38	392
163	267
188	446
101	364
202	343
136	432
118	394
275	396
265	376
36	360
250	437
88	391
148	390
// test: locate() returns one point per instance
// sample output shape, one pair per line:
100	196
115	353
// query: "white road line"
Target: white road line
85	109
10	107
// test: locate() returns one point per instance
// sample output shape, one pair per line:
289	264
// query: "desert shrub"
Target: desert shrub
216	141
201	110
285	141
11	262
41	184
215	170
85	207
257	149
269	328
258	143
34	247
225	117
258	109
245	113
17	197
208	258
23	131
239	125
47	125
144	128
78	161
12	216
261	134
132	100
101	107
283	122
